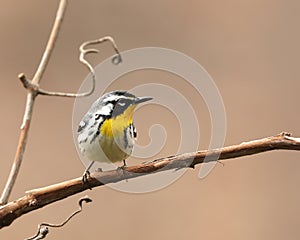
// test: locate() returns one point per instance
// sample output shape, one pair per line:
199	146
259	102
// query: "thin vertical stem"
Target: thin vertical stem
51	42
31	95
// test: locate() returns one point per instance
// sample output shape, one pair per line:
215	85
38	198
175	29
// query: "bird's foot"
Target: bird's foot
123	166
85	178
123	169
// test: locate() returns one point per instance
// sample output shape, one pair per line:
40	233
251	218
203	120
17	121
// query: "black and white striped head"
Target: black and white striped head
110	105
115	103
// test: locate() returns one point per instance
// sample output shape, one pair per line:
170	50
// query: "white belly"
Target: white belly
106	149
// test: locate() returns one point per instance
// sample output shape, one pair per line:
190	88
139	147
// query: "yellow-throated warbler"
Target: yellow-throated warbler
106	133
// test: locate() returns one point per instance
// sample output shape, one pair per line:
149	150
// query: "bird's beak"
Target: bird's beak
142	99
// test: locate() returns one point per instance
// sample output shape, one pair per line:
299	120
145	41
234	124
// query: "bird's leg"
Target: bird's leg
122	168
86	174
124	163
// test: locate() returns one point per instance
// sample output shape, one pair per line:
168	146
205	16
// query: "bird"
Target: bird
106	132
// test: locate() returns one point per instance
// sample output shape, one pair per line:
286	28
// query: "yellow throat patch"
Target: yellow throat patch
114	127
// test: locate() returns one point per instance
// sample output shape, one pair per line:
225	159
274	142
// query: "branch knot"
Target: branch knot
29	85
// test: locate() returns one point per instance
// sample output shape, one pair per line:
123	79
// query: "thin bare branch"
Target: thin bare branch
83	52
41	197
63	94
32	87
51	42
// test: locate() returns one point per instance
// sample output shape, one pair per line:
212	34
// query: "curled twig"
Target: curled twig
83	52
43	228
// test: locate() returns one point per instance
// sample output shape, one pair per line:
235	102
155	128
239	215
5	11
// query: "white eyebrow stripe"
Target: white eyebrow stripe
112	98
106	110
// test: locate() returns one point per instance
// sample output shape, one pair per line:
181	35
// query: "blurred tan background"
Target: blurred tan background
250	48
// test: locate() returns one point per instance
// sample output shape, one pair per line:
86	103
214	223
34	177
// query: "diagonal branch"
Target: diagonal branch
41	197
31	95
51	42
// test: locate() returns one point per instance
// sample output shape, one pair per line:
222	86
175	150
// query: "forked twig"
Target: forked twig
43	228
32	93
